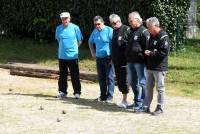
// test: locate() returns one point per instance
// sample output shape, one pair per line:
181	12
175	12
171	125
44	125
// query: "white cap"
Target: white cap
64	14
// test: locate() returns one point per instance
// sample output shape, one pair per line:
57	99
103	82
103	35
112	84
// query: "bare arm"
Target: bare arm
79	43
92	50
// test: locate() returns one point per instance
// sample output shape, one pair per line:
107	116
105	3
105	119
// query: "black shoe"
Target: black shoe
100	100
158	111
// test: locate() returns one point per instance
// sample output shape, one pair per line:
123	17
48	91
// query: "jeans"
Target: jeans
155	77
137	80
105	72
72	65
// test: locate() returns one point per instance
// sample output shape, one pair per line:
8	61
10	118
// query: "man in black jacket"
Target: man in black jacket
138	39
119	42
157	64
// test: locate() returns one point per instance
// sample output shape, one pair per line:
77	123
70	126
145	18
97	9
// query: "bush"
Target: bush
38	18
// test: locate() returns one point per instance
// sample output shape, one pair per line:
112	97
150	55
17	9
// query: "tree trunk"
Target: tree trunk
192	20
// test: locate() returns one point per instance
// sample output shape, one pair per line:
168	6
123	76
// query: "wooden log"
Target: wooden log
43	73
19	68
34	74
83	77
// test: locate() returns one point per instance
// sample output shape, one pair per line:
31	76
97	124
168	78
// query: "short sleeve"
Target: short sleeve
78	34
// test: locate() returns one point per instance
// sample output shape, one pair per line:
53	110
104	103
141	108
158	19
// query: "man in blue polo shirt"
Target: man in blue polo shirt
69	38
100	39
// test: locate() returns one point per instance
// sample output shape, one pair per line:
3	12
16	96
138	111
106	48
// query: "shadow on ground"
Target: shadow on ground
84	103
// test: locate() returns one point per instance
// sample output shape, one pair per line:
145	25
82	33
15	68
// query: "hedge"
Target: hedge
38	18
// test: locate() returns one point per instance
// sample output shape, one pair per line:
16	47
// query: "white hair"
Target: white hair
136	16
153	21
114	17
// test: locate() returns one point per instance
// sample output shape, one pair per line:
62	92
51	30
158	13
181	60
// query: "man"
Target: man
100	39
119	42
137	41
157	64
69	38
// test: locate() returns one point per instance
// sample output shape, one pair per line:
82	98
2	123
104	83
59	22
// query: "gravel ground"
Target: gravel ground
29	106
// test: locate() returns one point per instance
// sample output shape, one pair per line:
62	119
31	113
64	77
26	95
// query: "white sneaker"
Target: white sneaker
77	96
123	104
109	101
61	95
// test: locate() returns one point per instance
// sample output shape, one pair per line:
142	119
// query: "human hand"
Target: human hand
147	52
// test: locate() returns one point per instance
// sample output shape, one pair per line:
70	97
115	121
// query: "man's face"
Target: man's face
99	25
65	21
151	29
133	22
116	24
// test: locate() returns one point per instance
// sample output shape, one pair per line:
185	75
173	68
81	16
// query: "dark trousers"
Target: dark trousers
73	67
105	72
121	77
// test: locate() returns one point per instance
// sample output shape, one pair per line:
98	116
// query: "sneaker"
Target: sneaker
109	100
123	105
77	96
99	99
130	106
61	95
158	111
137	109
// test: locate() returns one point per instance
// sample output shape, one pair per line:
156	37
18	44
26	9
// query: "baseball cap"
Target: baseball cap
64	14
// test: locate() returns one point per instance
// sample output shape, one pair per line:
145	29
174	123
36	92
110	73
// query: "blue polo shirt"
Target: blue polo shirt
102	40
68	38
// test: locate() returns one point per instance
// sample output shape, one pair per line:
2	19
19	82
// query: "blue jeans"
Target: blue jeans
105	72
137	80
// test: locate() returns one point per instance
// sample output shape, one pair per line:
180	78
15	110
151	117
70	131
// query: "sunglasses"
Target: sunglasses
97	24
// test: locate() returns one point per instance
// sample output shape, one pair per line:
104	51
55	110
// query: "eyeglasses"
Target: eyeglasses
97	24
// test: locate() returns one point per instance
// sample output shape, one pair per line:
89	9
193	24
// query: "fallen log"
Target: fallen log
39	72
34	74
20	68
83	77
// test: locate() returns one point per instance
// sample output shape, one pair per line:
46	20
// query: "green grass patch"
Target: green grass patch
183	77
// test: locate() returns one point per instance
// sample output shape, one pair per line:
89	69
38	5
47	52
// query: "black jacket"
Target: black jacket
138	39
119	43
159	46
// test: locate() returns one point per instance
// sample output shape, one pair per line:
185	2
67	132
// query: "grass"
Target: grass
184	70
183	77
40	53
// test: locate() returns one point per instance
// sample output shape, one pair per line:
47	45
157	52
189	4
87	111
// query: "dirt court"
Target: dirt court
29	106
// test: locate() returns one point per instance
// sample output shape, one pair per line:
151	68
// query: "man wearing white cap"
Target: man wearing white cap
69	38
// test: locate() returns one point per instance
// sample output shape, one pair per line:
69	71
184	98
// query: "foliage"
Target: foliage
198	13
173	17
38	18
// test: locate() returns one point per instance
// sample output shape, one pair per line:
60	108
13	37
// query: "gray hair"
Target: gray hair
96	18
115	17
153	21
136	16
